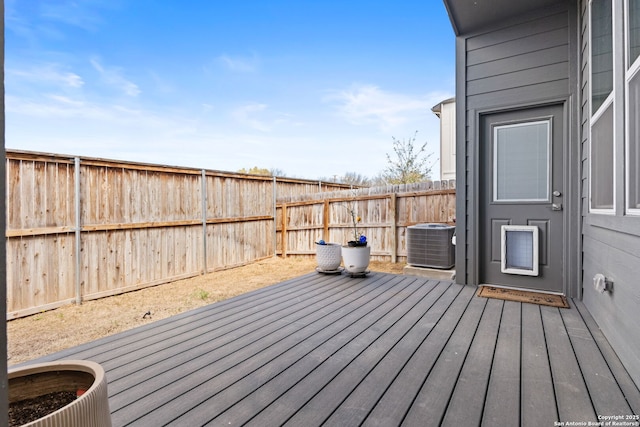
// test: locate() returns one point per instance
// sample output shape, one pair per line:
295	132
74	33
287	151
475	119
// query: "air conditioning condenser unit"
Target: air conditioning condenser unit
429	245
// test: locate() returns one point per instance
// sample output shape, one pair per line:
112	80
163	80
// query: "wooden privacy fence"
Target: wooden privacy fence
385	214
85	228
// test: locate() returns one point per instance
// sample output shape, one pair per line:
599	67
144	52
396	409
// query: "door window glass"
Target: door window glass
521	162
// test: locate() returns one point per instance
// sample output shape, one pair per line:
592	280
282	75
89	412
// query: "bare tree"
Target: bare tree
352	178
410	164
277	172
379	180
333	178
355	178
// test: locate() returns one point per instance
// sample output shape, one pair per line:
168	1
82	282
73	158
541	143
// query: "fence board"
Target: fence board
385	213
142	225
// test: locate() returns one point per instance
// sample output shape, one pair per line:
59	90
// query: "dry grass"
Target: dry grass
51	331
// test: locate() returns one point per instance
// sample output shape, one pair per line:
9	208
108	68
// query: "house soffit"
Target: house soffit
469	16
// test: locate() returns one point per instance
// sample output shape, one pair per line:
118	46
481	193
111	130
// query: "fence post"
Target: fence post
283	233
394	228
4	382
275	216
325	220
78	228
203	175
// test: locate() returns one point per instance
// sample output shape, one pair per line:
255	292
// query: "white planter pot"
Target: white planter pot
84	377
328	256
356	258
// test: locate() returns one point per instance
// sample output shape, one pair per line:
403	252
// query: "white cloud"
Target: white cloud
259	117
246	115
79	13
113	77
66	100
73	80
161	85
46	73
368	104
240	64
55	106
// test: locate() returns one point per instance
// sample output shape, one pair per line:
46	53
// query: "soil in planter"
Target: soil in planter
26	411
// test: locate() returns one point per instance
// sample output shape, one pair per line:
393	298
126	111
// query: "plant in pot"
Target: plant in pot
357	252
328	257
66	393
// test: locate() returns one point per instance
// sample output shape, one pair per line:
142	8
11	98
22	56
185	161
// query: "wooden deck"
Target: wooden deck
384	350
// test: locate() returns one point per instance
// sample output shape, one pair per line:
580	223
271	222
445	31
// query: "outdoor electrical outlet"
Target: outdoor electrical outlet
601	284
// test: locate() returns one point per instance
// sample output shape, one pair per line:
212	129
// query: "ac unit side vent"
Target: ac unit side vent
429	245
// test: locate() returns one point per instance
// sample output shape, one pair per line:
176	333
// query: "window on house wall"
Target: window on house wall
602	147
633	106
601	53
633	28
602	178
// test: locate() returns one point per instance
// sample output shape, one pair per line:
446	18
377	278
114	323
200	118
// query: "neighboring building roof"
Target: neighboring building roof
438	107
467	16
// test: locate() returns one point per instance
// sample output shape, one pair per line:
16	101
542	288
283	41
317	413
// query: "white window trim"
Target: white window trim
594	116
633	71
630	73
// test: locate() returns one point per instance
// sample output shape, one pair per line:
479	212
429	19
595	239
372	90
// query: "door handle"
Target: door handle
556	207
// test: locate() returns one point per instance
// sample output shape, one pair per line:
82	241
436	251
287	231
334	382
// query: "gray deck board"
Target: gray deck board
467	402
430	404
236	331
502	401
573	400
357	406
537	396
266	354
323	363
385	350
245	331
313	379
610	399
356	362
394	404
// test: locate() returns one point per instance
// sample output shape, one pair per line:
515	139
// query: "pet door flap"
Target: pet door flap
519	249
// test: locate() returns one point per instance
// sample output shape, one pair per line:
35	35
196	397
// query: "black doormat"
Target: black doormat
523	296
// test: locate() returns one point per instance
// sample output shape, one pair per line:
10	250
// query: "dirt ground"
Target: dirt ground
47	332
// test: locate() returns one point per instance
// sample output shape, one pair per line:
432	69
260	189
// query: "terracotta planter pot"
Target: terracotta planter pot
87	379
328	256
356	258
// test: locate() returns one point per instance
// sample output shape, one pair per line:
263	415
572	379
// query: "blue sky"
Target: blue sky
313	88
